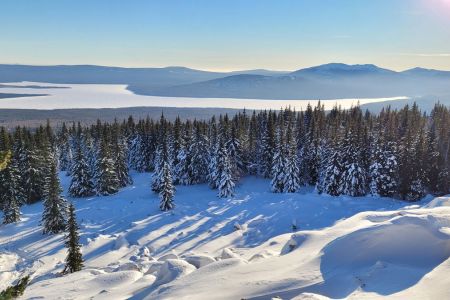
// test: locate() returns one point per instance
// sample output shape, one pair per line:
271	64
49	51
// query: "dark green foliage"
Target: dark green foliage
16	290
74	259
106	176
55	207
397	153
81	184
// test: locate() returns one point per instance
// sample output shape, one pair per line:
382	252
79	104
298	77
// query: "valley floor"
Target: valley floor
244	247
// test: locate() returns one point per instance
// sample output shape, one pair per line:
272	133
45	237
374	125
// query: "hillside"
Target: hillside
207	247
329	81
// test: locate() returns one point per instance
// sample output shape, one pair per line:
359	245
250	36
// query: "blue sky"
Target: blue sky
227	34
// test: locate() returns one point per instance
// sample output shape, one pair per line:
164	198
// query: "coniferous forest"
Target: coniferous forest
402	154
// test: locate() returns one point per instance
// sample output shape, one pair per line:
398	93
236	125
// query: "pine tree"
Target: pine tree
55	207
74	259
81	184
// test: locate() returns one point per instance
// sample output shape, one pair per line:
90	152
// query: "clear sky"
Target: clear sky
227	34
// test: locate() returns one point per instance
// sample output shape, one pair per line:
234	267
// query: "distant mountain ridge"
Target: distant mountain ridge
329	81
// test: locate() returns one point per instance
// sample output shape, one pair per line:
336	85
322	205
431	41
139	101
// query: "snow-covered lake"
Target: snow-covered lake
116	96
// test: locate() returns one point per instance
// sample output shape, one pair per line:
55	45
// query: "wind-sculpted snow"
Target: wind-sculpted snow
234	248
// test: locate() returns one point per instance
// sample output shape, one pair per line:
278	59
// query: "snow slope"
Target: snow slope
244	247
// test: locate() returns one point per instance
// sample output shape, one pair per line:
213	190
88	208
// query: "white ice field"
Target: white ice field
116	96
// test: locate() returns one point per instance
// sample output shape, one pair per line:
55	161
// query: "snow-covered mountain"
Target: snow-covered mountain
338	69
330	81
256	245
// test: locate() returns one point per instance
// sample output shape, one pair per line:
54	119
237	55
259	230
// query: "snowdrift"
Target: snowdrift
345	247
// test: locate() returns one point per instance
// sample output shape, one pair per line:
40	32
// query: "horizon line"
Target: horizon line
215	70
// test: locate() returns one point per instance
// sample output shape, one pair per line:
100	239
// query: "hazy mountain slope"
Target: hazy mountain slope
148	77
323	82
330	81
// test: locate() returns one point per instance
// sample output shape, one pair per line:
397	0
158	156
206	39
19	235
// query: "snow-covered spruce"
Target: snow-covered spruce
167	189
74	259
223	173
81	184
54	216
107	182
10	193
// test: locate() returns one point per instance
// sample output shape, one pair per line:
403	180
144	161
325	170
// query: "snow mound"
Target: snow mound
168	256
310	296
228	253
171	270
128	267
439	202
406	248
261	255
86	283
409	240
8	261
294	242
154	267
120	242
199	260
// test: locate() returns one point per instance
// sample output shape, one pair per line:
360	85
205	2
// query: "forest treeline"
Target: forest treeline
397	153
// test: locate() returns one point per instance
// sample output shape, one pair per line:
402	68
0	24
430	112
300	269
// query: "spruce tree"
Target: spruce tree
330	179
235	154
74	259
81	184
212	176
198	156
383	170
354	177
167	190
10	195
157	172
64	150
292	181
107	182
122	170
54	215
223	173
182	168
279	164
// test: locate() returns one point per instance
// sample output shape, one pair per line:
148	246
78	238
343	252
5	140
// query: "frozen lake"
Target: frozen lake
63	96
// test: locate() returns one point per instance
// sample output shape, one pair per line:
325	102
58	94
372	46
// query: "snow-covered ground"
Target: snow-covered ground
239	248
115	96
